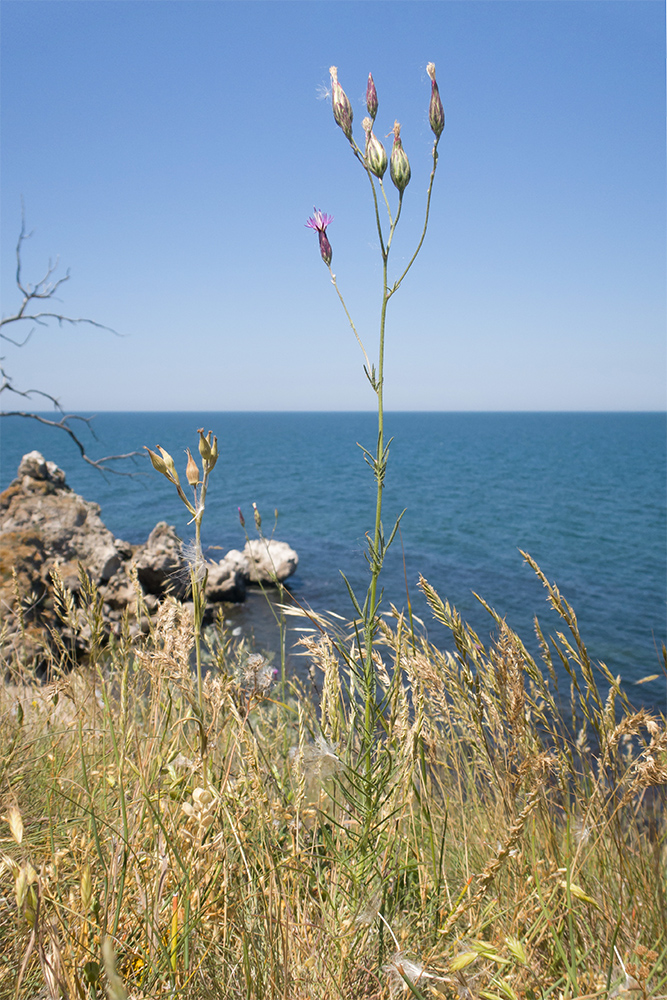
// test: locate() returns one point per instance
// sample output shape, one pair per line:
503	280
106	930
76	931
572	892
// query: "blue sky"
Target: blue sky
170	152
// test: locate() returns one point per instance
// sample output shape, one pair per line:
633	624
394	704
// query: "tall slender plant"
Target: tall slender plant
373	159
198	482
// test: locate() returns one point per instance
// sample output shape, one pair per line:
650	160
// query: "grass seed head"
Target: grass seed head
13	818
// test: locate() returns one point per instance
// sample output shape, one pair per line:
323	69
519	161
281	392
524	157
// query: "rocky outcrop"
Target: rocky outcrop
226	581
70	528
45	526
269	561
160	565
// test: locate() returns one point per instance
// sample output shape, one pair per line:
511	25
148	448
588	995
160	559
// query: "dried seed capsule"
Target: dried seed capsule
192	470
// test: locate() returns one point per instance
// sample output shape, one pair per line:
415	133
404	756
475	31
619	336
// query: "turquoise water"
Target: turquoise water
585	494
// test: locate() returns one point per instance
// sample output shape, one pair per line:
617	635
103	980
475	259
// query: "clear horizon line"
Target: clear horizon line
89	412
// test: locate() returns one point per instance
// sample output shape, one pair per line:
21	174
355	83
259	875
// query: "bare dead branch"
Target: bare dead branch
42	317
99	463
18	343
45	290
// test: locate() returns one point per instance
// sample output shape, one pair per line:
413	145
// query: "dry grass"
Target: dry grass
506	852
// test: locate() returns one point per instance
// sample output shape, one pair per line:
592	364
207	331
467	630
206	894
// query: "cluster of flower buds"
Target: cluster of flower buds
208	449
375	156
164	463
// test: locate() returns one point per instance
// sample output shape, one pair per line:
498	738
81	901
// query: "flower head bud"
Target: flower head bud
192	470
157	462
214	452
208	450
241	517
204	444
399	168
376	157
371	97
257	516
436	112
342	109
326	252
164	465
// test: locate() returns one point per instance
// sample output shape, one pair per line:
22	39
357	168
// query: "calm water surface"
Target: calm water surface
584	494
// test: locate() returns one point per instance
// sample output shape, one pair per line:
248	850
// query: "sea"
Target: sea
584	493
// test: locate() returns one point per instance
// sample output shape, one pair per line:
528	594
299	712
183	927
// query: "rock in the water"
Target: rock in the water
225	582
269	560
161	567
239	562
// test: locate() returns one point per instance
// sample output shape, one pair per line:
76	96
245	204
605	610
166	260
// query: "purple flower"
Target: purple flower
319	222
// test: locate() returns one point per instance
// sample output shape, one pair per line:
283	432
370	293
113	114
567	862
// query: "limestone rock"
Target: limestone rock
270	560
69	527
22	561
239	561
161	567
44	525
225	582
118	593
34	466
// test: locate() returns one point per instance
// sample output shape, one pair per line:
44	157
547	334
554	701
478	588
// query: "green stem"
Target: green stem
386	201
397	284
199	605
196	599
376	555
350	321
